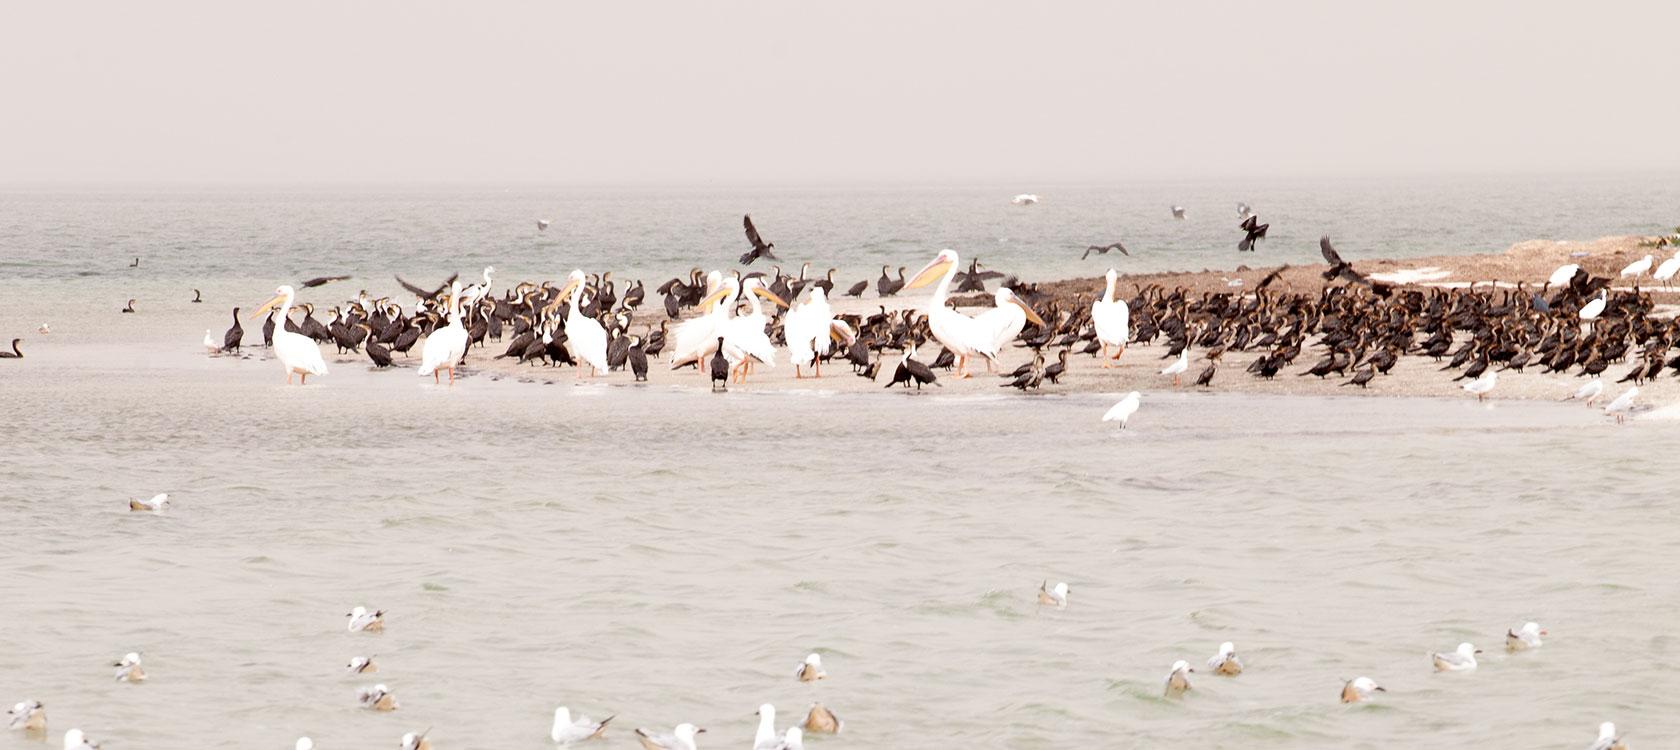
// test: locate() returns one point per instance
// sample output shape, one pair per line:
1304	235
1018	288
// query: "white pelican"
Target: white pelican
1055	596
1623	405
295	351
1563	274
1177	368
1665	272
588	340
1024	199
129	670
811	669
1589	392
1113	320
566	731
446	346
696	338
75	740
1359	689
1607	739
680	738
1637	268
1524	638
211	343
744	339
766	738
1595	307
363	621
29	716
1462	660
1124	409
811	330
156	503
1482	385
1178	680
1005	321
960	334
1226	662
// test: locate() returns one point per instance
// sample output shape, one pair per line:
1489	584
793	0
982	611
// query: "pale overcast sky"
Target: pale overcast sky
831	92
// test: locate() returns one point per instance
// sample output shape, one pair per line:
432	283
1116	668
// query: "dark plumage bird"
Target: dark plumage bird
377	352
1054	372
322	281
1255	232
760	248
15	353
1032	378
428	294
1103	250
972	280
719	367
234	336
638	359
857	289
886	286
1363	377
1338	267
197	297
128	308
911	371
1206	378
135	264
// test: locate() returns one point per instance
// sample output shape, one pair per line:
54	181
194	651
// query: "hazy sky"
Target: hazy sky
831	92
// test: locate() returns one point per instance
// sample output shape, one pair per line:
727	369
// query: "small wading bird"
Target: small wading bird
760	248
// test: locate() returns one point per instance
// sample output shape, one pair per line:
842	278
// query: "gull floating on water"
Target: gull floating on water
1178	680
820	720
765	738
1226	662
361	665
29	717
44	330
1123	410
377	698
566	731
412	741
1525	637
1588	392
304	743
680	738
361	620
811	669
1462	660
156	503
1024	199
1480	386
794	739
129	670
1360	689
1056	595
542	224
75	740
1607	739
1623	405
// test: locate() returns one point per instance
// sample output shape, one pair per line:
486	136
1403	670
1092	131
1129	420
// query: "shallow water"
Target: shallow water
670	555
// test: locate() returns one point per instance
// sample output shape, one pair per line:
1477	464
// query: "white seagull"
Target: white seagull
1053	595
1482	385
361	665
28	716
1024	199
1588	392
1607	739
1360	689
1623	405
44	330
412	741
155	503
1123	410
211	343
1226	662
567	731
376	698
1178	680
129	669
1462	660
1177	368
304	743
362	620
793	740
766	738
75	740
1525	637
811	669
680	738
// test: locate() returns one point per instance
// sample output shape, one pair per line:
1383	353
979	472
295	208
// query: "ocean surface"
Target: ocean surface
670	555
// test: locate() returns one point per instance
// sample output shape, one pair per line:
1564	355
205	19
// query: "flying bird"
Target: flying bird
1256	232
322	281
1103	250
432	294
1338	267
760	248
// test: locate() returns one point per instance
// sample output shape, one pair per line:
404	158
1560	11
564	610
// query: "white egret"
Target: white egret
445	347
1595	307
1665	272
1123	410
1113	321
1563	274
959	333
1637	268
296	352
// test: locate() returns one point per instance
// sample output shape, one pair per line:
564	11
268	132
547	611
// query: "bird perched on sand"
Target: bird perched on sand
1055	596
1482	385
1177	368
1637	268
1226	662
1360	689
1178	680
1588	392
363	621
811	669
567	731
760	248
154	504
1525	637
1461	660
1124	409
1623	405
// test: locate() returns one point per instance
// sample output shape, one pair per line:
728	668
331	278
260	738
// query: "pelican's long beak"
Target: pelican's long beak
1032	316
769	295
929	273
712	299
269	305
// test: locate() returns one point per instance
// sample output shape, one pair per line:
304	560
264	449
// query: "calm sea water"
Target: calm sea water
670	555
